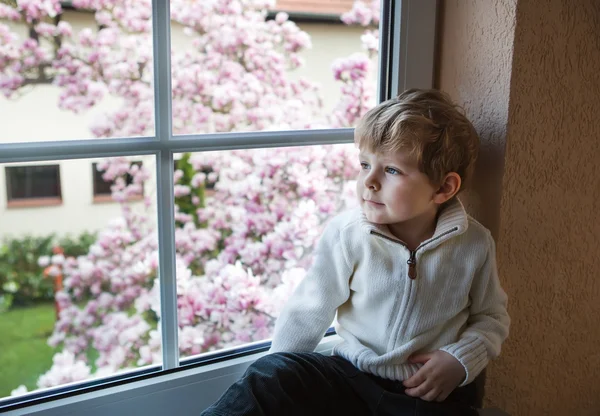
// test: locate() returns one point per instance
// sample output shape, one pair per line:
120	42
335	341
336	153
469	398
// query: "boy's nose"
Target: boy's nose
371	183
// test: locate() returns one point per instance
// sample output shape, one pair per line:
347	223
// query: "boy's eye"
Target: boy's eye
392	171
364	165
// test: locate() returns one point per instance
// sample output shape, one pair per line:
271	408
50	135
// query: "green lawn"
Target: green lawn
24	354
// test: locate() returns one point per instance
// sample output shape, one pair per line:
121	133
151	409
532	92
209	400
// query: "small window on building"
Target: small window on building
102	191
32	186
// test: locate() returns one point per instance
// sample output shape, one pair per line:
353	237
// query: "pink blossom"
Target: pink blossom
35	10
19	391
182	190
362	13
66	368
9	13
44	261
370	40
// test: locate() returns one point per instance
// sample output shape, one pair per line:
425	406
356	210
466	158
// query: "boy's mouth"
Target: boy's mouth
374	203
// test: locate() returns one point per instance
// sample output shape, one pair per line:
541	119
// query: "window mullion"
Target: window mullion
259	139
137	146
385	46
412	44
166	252
161	23
161	19
77	149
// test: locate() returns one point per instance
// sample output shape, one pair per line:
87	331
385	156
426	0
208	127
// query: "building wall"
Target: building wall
36	117
527	73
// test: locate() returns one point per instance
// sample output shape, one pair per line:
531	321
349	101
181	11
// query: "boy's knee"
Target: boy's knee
276	359
270	367
281	362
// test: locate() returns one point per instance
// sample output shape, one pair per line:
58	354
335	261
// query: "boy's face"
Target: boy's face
392	191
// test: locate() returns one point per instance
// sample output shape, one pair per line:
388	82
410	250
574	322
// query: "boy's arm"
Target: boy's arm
488	323
311	309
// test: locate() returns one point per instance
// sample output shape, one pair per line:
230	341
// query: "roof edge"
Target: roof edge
308	17
295	16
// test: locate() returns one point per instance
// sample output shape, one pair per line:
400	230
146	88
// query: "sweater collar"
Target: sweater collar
452	216
452	220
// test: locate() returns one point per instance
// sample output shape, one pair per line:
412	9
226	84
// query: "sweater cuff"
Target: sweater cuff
472	354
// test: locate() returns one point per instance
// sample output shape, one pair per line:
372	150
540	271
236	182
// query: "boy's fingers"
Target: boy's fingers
441	397
431	395
417	379
419	391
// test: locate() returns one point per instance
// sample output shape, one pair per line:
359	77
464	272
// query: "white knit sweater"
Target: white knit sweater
454	303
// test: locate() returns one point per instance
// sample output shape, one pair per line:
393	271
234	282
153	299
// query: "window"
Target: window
254	139
102	189
30	186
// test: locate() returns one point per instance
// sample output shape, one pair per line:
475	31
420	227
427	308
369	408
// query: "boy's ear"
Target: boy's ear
449	187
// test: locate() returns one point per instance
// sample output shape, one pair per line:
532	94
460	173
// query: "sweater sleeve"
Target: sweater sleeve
310	310
488	323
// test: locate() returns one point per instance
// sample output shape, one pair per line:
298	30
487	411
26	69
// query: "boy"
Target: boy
411	276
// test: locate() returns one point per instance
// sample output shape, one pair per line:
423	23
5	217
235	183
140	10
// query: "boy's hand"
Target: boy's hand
440	374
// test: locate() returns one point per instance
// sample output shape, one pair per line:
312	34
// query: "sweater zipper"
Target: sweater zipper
412	265
412	258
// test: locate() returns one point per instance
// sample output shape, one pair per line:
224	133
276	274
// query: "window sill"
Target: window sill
34	202
107	199
187	391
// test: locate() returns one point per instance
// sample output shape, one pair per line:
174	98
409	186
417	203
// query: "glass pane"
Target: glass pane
246	224
82	74
78	292
248	66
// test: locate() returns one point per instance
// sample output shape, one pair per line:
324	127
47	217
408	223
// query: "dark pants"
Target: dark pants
288	384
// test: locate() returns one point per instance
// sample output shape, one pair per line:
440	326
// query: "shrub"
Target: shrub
22	280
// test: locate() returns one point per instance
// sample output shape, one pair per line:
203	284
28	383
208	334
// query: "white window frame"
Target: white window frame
408	37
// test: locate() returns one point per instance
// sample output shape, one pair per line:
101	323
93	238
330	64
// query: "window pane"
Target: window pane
30	182
83	69
244	245
78	292
248	66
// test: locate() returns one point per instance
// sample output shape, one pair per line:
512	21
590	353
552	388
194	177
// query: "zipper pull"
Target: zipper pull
412	265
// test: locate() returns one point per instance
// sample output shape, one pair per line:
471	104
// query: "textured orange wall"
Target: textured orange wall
474	59
528	73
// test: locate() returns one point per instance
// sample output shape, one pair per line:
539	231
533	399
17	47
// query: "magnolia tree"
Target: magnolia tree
242	246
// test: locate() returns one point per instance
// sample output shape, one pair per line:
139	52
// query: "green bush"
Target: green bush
185	202
22	280
78	246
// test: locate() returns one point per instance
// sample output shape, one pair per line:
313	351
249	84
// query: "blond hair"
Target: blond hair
427	124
